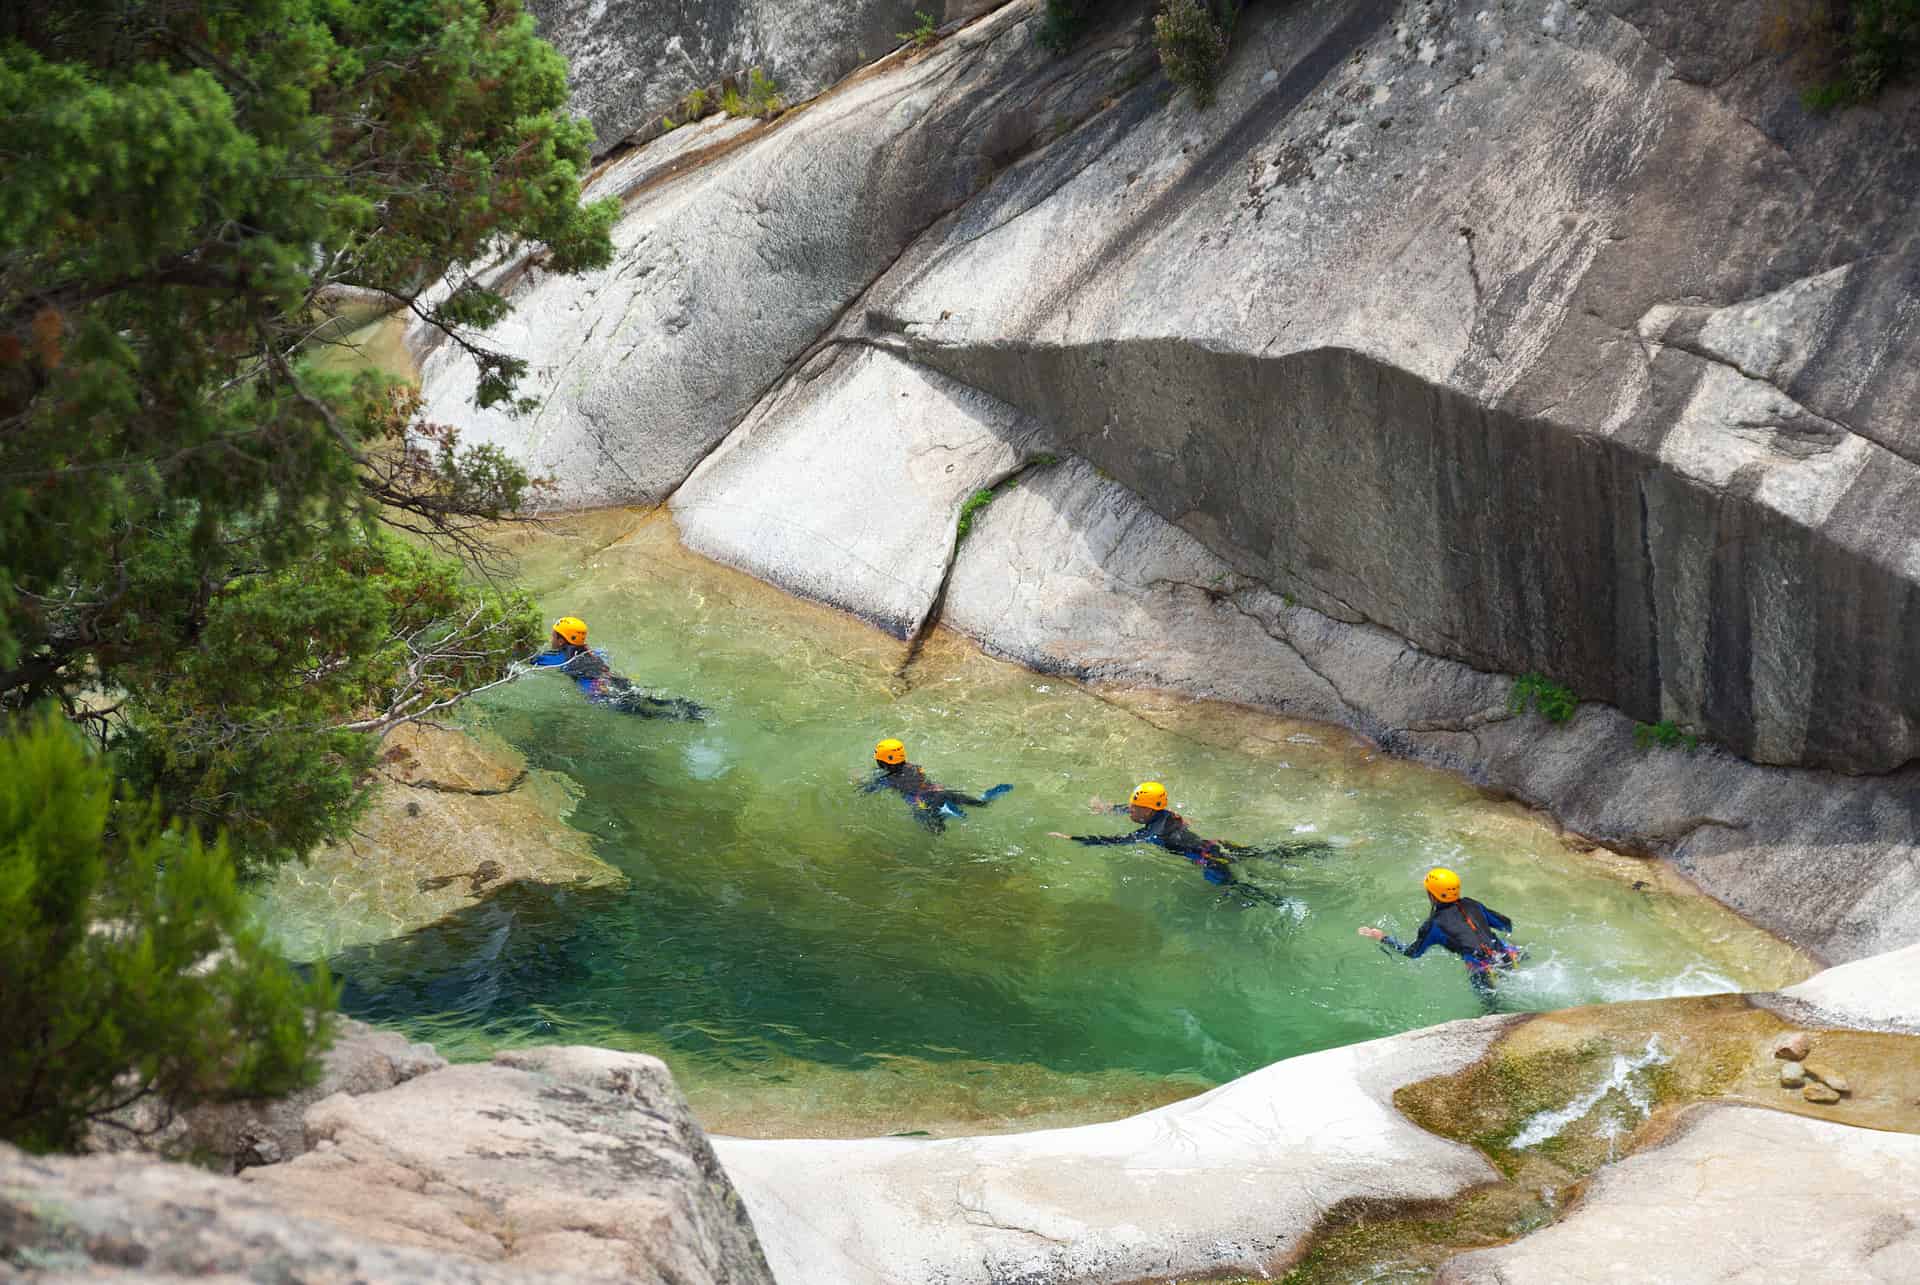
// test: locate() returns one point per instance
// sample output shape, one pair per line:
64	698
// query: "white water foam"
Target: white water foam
1620	1080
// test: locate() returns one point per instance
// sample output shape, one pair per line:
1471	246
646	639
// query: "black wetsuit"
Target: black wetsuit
931	803
1469	930
595	677
1169	830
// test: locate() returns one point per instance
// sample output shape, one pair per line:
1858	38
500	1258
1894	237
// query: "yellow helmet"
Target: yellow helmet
890	751
1443	884
573	629
1151	795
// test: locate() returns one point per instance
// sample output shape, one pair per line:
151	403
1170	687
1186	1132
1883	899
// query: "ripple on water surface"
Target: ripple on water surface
809	960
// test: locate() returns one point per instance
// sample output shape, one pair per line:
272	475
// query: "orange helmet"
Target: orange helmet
1443	884
573	629
890	752
1150	795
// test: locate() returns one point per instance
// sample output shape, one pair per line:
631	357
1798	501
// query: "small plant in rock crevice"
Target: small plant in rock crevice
980	499
1846	52
1666	734
924	32
763	98
1193	47
1061	23
1554	703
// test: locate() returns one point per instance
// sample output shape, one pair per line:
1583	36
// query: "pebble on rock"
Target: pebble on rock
1819	1093
1794	1047
1792	1075
1826	1075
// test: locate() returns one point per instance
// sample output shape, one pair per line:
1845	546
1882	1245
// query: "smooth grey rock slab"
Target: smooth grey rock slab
1742	1194
1231	1181
846	486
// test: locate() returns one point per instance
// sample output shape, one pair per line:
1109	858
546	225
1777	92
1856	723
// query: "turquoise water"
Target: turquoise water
810	960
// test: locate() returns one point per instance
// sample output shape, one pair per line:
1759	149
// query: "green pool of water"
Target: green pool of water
811	961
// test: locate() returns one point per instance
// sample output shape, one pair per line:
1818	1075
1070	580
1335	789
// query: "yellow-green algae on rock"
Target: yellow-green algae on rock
1706	1049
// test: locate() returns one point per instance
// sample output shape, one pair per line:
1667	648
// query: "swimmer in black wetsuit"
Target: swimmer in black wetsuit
931	803
569	653
1161	825
1463	926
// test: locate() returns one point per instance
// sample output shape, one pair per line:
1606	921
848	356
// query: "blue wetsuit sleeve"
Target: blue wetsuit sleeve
1498	920
1106	840
878	781
1428	938
548	659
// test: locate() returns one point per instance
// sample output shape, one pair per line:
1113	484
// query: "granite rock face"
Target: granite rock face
805	493
726	273
631	61
550	1164
241	1135
1548	337
1071	573
575	1160
1463	341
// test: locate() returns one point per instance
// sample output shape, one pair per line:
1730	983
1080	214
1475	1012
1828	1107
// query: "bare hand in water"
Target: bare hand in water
1374	933
1096	804
1055	834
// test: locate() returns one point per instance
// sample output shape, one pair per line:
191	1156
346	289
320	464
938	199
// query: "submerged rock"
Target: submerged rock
458	815
1794	1047
1826	1075
1792	1075
1820	1093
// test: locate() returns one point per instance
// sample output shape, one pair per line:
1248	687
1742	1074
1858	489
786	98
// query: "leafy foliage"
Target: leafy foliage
260	728
131	965
923	33
1845	52
1062	21
1193	47
763	98
1555	703
1667	734
183	488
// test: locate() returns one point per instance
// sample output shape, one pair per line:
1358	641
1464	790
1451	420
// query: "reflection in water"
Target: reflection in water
809	960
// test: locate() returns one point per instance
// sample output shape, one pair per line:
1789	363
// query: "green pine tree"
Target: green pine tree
191	188
131	967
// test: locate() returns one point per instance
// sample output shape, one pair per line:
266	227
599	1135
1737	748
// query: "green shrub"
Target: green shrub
731	103
1555	703
1667	734
694	106
1061	23
922	34
1851	50
260	729
763	99
132	968
1192	47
